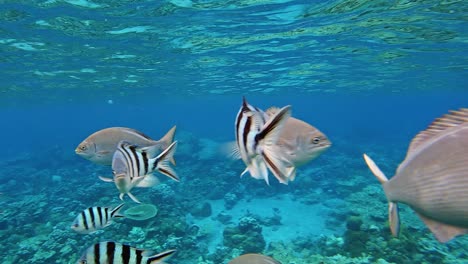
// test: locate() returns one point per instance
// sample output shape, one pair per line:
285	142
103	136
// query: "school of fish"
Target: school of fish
432	180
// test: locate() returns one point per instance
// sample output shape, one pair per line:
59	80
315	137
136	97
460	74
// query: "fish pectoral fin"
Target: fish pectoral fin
443	232
394	218
147	181
106	179
102	153
375	170
276	164
133	198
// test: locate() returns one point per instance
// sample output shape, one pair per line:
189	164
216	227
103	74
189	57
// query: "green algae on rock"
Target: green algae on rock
141	212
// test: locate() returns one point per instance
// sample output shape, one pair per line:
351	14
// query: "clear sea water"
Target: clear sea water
369	74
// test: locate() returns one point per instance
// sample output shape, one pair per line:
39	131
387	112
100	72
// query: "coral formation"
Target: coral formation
141	212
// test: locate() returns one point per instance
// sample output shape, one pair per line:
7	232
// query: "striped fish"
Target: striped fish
133	167
256	139
433	178
95	218
109	252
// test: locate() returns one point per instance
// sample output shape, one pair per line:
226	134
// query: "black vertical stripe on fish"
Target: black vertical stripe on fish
97	253
139	257
125	254
110	250
106	214
128	160
135	160
84	219
144	156
99	211
91	214
246	131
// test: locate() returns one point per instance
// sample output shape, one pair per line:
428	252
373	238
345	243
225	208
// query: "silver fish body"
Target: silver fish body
133	167
256	139
109	252
253	259
95	218
100	146
433	178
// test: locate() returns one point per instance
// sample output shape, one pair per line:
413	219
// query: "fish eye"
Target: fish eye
83	147
316	140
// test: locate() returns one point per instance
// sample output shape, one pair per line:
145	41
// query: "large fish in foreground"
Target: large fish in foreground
101	145
109	252
433	178
133	167
256	140
253	259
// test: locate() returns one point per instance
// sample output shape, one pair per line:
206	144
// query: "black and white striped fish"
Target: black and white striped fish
95	218
256	138
133	167
109	252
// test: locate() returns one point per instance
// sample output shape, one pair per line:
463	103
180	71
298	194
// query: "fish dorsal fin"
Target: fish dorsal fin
272	110
453	119
443	232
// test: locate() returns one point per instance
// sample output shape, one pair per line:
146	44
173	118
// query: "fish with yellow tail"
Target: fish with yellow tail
100	146
133	167
253	259
256	140
433	178
109	252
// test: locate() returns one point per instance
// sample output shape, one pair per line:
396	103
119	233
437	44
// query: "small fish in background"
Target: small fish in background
433	178
101	145
95	218
253	259
133	167
256	140
109	252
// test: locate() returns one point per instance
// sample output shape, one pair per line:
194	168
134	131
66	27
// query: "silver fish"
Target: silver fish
101	145
256	140
133	167
95	218
433	178
253	259
109	252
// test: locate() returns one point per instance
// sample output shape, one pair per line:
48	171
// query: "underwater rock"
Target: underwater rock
354	223
247	236
230	199
141	212
224	217
201	210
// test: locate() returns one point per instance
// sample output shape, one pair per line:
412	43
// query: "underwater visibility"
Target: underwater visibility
234	132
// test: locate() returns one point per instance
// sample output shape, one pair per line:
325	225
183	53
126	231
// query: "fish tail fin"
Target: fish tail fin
115	211
159	258
161	162
393	214
167	140
268	137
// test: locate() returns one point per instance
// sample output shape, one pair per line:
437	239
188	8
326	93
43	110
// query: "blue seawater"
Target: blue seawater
369	74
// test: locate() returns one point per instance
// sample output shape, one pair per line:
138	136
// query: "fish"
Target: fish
433	178
94	218
109	252
256	139
133	167
297	144
253	259
100	146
